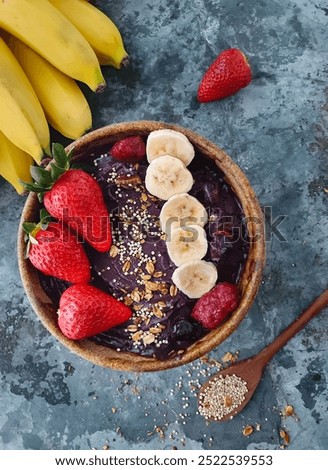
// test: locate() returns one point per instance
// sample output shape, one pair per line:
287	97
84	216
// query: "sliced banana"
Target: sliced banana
187	244
182	210
169	142
195	278
167	176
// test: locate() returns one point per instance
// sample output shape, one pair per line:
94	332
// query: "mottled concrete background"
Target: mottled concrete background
276	130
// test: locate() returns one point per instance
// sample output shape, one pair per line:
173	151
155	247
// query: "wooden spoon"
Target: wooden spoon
250	370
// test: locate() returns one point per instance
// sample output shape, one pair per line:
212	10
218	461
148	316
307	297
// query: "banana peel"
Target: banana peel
14	164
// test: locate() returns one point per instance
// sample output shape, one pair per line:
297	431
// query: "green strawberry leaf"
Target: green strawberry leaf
70	154
29	227
34	187
44	214
60	156
41	176
45	179
45	218
56	171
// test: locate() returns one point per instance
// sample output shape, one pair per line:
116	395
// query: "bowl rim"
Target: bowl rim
250	278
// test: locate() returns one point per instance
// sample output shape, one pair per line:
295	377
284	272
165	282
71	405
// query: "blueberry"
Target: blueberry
182	328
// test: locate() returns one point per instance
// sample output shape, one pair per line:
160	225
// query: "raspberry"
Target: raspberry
211	309
131	149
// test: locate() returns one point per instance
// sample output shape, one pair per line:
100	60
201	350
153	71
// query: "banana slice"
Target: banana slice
167	176
187	244
182	210
169	142
195	278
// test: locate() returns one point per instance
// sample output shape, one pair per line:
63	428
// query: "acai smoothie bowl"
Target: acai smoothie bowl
143	246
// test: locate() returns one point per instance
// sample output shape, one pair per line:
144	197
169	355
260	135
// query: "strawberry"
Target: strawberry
86	311
76	199
214	307
73	196
131	149
55	251
228	74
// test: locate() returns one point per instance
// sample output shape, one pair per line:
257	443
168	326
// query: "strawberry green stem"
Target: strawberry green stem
31	229
45	179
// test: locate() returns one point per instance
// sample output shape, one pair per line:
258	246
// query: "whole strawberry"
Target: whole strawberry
55	251
229	73
77	200
75	197
214	307
86	311
131	149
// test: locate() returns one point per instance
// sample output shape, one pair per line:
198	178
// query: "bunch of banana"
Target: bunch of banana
45	46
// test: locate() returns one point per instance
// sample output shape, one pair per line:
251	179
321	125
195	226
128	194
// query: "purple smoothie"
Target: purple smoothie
138	270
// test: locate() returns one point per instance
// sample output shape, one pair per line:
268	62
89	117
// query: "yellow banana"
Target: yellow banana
15	125
13	77
41	26
65	106
97	28
14	164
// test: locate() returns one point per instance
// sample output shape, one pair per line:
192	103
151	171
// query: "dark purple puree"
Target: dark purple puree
139	274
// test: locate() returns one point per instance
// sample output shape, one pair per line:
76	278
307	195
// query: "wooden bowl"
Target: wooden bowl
93	144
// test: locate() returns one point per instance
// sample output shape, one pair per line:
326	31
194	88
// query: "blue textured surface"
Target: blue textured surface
276	130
